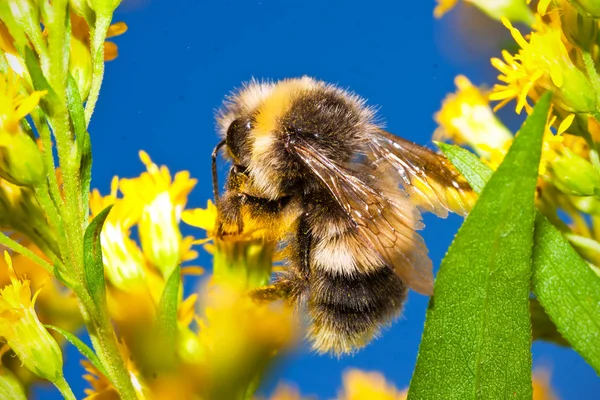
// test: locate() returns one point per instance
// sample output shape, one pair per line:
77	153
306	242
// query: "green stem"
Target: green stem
64	388
11	244
44	130
104	340
97	49
590	68
45	201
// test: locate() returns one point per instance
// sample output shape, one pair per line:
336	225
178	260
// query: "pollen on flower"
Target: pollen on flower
14	106
466	118
542	63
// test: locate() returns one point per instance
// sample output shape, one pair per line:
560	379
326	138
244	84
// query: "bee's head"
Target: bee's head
261	118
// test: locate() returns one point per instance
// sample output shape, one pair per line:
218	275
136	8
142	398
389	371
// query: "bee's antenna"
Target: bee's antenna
215	178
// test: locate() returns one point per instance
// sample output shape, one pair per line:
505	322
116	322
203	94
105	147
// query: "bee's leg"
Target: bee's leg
231	221
292	284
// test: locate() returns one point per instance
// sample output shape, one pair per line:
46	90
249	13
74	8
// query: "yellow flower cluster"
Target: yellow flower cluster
560	54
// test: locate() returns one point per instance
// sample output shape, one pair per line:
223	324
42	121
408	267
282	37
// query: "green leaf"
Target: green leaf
40	82
75	106
84	145
542	327
92	258
477	337
568	289
85	168
82	347
167	315
564	284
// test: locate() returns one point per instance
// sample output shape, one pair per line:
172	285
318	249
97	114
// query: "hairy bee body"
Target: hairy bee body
305	171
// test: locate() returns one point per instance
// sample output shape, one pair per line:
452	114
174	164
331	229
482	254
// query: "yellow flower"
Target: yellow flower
543	63
203	218
54	305
514	10
23	331
239	337
161	201
466	118
359	385
124	262
20	158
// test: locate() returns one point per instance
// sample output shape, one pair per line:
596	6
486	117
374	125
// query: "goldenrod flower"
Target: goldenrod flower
359	385
161	201
20	158
124	262
23	331
240	337
543	63
514	10
466	118
55	304
81	32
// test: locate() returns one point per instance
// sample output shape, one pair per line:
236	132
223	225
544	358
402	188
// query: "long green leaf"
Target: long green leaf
82	347
167	308
568	289
166	318
92	258
564	284
75	106
477	337
40	82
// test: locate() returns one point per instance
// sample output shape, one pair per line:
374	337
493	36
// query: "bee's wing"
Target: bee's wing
385	218
430	179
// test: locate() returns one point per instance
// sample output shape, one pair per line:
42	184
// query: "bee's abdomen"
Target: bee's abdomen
352	293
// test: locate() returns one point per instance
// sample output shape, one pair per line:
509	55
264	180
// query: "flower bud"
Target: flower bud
23	331
580	30
21	162
466	118
159	233
575	175
588	8
80	66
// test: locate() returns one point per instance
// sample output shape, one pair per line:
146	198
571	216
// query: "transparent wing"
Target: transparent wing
430	179
383	214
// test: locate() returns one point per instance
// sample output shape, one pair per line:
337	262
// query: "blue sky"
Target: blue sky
181	57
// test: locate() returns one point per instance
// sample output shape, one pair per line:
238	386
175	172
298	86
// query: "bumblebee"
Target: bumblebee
313	169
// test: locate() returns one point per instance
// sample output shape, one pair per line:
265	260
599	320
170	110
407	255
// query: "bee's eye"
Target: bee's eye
237	135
